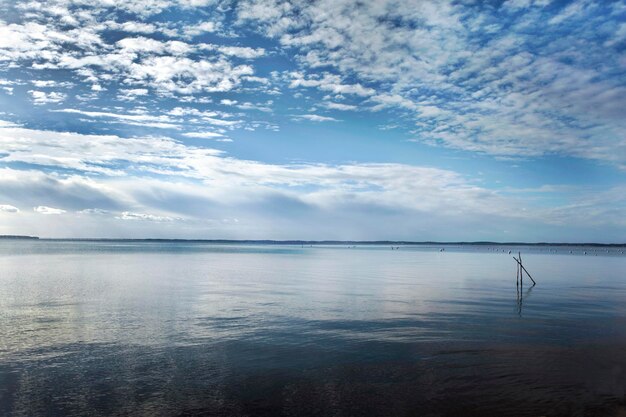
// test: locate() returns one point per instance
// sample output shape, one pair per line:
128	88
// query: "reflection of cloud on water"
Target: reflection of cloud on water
158	297
229	331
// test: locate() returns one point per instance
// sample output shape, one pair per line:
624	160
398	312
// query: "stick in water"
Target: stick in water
524	269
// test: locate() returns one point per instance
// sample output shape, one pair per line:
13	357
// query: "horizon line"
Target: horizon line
310	242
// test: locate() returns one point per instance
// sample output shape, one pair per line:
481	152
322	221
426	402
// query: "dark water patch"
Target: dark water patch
235	379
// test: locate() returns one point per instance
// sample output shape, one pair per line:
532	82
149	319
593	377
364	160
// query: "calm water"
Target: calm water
183	329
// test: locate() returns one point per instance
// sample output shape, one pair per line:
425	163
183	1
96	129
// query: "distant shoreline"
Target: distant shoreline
315	242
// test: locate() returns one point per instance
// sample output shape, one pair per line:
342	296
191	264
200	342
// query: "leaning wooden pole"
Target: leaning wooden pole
519	262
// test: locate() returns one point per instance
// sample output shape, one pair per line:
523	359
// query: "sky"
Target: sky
314	119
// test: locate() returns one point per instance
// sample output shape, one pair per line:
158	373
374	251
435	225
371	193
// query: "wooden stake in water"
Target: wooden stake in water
522	269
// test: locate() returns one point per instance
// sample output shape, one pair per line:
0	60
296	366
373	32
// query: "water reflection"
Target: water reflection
101	329
521	295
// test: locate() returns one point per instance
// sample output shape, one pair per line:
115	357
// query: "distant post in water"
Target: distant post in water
521	270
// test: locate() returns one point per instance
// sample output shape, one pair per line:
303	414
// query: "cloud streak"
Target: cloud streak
198	187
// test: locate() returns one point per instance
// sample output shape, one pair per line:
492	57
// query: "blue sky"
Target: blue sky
415	120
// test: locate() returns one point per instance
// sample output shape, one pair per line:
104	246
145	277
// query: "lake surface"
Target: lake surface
186	329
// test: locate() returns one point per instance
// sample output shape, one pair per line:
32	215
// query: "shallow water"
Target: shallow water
175	328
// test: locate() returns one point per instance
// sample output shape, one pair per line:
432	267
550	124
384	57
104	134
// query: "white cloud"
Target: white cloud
264	107
315	118
41	97
524	4
134	27
167	67
340	106
149	46
504	94
241	51
161	122
204	116
7	208
4	123
618	36
127	215
200	28
132	93
496	94
203	135
393	100
97	153
94	211
248	105
169	74
186	185
571	10
176	118
329	82
494	80
44	83
48	210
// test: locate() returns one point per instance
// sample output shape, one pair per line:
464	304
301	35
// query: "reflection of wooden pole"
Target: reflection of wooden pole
519	262
521	274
